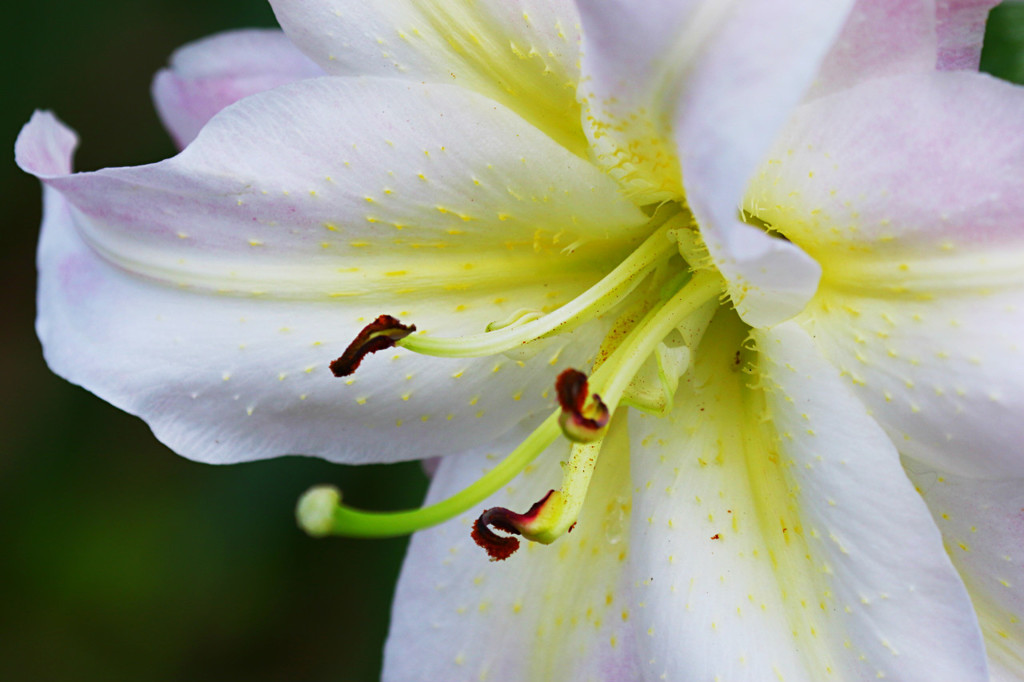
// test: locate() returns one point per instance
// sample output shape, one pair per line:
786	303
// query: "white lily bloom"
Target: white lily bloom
781	237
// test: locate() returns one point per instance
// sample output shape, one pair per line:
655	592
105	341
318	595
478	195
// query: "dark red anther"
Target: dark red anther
580	422
498	547
501	547
571	386
380	334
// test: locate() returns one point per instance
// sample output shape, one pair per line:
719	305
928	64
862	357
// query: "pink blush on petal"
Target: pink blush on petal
78	278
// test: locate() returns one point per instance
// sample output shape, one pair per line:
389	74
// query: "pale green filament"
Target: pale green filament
562	508
367	524
609	381
612	378
592	303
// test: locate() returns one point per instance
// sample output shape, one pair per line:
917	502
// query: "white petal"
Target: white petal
776	536
225	379
686	94
899	166
880	38
982	523
522	53
732	108
557	612
906	191
223	372
635	62
945	377
209	74
283	189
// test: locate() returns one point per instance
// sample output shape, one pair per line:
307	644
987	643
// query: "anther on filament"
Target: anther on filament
548	519
380	334
501	547
584	416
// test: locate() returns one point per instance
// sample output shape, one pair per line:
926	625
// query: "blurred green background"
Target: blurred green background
118	559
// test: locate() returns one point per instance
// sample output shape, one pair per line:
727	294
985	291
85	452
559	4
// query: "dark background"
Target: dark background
118	559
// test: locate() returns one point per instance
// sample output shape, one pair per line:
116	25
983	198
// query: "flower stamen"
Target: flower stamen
550	518
501	547
321	512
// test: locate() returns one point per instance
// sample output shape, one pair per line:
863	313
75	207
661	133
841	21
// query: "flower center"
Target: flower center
638	365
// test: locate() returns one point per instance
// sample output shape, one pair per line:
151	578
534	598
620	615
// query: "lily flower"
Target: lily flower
673	289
